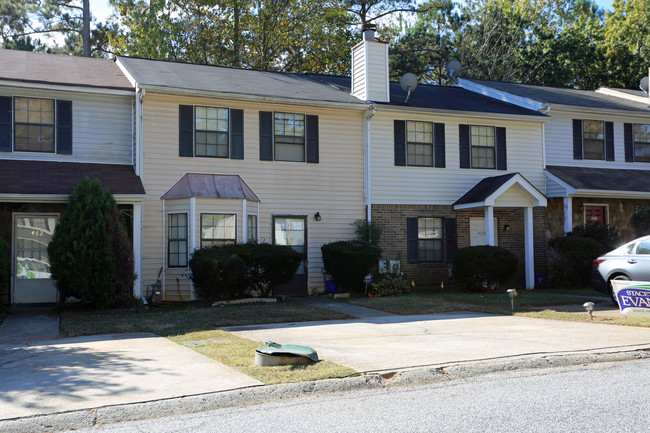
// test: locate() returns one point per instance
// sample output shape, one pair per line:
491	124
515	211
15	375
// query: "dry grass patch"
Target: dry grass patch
239	353
621	319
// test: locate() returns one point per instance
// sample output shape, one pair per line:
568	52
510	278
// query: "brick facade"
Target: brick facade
430	275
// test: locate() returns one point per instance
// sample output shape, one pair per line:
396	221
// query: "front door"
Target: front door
292	231
595	214
32	234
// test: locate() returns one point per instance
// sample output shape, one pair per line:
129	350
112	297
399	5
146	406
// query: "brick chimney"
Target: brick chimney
370	68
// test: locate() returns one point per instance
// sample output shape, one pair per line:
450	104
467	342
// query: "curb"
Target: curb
105	415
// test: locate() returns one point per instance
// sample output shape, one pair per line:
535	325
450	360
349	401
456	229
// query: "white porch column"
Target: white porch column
244	223
137	249
529	251
192	237
489	225
568	214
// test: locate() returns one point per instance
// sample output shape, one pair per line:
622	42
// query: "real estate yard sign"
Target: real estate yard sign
632	296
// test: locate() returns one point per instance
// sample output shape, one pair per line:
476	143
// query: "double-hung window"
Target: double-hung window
593	139
641	142
35	125
483	144
251	228
211	132
218	229
289	137
419	139
177	240
425	239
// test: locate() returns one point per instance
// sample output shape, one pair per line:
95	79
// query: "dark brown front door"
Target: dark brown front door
292	231
595	214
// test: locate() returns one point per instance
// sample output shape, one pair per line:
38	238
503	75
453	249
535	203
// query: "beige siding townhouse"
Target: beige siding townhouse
62	118
235	155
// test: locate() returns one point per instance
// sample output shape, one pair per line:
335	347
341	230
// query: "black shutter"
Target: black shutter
186	130
400	142
451	239
577	139
236	134
439	144
266	136
609	141
463	132
628	139
5	123
64	127
312	138
502	158
413	244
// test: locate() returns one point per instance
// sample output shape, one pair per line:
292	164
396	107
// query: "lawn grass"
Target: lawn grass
455	301
239	353
181	320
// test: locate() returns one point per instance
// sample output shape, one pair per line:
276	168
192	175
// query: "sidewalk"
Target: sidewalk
63	384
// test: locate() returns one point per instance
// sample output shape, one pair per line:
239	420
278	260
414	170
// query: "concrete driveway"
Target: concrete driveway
401	342
83	372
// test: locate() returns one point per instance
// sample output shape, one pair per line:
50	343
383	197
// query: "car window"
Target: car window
643	247
629	248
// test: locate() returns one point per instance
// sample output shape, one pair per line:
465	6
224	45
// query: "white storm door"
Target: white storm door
32	234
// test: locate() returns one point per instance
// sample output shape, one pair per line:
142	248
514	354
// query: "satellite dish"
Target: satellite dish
644	84
408	82
453	68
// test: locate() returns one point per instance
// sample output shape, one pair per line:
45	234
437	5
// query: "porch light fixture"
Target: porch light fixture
589	306
506	227
317	217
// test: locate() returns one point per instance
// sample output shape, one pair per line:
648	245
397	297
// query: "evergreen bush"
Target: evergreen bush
121	249
349	261
5	268
571	259
641	221
82	258
234	270
608	236
369	231
483	266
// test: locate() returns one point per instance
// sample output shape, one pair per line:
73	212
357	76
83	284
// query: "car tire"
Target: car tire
621	277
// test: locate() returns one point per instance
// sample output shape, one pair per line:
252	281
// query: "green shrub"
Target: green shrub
217	274
369	231
571	259
231	271
390	285
641	221
483	266
349	261
80	250
607	235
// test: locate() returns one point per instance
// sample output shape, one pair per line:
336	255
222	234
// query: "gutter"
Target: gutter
62	88
367	164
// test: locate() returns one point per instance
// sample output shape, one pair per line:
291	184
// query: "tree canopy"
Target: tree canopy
566	43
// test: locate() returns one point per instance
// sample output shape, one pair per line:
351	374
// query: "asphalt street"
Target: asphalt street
608	397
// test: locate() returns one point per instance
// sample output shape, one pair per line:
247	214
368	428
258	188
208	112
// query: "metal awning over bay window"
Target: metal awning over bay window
507	191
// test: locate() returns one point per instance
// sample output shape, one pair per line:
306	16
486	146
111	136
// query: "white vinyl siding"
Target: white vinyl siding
420	185
559	140
102	127
333	187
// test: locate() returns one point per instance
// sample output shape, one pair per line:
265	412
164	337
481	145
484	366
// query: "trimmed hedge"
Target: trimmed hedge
641	221
483	266
349	261
236	270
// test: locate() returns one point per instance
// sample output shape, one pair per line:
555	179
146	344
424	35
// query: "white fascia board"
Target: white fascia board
454	113
61	88
361	105
611	194
478	204
63	198
569	190
618	94
510	98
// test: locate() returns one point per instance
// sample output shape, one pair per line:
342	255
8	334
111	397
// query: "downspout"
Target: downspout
366	151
